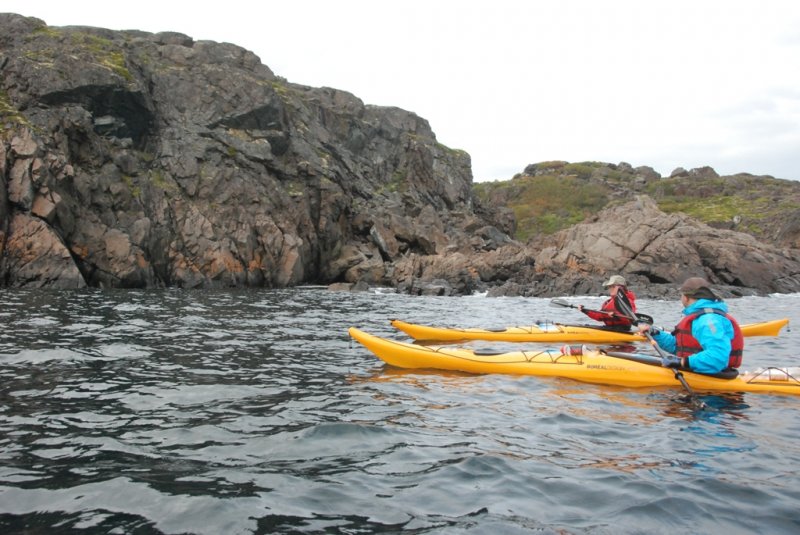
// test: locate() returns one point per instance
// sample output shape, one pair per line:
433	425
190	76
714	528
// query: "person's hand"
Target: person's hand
671	361
647	327
580	307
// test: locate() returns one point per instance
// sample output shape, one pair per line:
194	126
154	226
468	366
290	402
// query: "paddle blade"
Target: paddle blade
624	306
561	303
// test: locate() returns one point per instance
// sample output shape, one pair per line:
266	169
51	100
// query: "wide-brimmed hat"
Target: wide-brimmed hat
615	280
697	287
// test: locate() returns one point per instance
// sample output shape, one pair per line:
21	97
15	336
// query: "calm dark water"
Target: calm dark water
251	412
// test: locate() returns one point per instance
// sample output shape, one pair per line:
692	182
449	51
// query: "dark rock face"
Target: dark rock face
130	159
152	160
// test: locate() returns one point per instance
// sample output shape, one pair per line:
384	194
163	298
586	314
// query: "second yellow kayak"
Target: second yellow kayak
555	332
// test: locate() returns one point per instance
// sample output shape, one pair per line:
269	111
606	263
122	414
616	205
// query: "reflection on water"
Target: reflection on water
252	412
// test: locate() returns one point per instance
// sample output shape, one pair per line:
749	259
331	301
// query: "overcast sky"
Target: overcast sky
679	83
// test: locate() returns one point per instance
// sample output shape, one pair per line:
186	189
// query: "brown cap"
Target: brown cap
697	287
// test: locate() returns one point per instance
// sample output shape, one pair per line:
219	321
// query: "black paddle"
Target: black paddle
678	375
638	357
640	318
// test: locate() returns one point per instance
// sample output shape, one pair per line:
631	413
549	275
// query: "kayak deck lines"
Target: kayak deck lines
773	374
529	356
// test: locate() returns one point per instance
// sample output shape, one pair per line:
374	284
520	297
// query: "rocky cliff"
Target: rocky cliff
131	159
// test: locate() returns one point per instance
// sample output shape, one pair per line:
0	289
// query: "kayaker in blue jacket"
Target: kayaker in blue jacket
707	339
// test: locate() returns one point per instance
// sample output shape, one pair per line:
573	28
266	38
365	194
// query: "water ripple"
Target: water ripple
252	412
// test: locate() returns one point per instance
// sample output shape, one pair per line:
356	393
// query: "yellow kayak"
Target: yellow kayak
556	333
590	366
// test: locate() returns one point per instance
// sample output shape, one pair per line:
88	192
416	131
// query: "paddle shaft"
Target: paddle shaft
640	318
678	375
561	303
635	357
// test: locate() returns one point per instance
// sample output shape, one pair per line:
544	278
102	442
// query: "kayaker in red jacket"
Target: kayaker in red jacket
610	313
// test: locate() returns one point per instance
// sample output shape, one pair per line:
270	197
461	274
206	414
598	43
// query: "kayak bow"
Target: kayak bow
556	332
590	366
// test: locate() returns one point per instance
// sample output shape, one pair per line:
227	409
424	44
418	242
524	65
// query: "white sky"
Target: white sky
670	83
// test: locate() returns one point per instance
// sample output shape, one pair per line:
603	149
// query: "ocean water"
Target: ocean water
224	412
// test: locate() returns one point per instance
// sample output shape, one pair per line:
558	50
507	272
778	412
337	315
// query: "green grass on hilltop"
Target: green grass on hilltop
564	194
545	204
755	202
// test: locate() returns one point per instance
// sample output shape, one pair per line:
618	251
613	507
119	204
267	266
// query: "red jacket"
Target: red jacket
618	319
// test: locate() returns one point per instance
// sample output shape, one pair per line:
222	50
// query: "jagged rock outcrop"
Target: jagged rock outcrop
655	251
153	160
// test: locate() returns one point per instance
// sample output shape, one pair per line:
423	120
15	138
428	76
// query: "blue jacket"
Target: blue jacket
713	331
